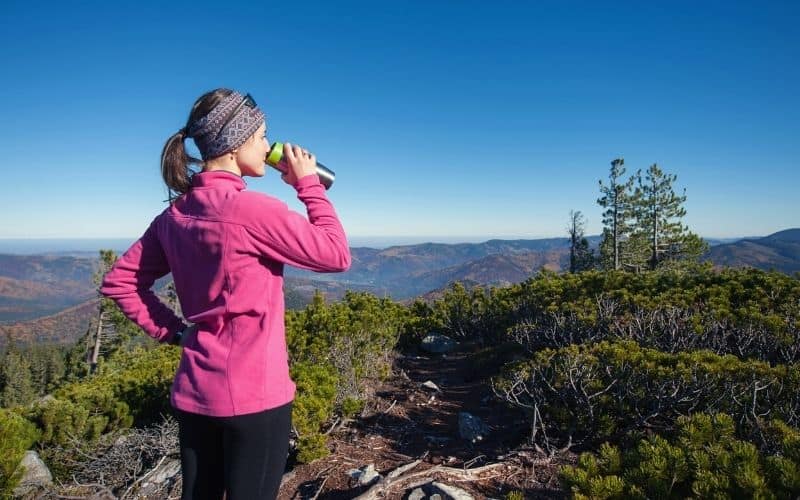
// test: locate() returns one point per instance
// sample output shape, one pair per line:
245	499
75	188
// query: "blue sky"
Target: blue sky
445	121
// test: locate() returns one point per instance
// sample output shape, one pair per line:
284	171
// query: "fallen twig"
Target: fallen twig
138	480
321	486
390	407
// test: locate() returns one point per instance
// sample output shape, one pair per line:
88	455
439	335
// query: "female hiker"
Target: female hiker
226	247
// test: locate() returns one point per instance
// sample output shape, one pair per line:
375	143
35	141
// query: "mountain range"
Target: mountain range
779	251
42	292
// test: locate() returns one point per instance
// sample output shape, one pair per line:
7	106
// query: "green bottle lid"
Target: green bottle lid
275	154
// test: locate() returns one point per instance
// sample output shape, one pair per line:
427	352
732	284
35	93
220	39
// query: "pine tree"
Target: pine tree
658	211
47	367
104	329
580	257
616	200
15	378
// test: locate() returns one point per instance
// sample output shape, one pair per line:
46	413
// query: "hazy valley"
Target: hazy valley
51	297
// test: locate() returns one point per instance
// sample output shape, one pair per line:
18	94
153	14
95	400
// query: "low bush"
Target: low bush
17	435
590	393
704	460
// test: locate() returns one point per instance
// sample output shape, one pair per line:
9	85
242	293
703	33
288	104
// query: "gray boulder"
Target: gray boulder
35	474
153	485
365	475
417	494
435	343
471	427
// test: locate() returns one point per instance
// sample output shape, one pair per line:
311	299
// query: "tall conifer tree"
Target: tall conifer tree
658	211
616	200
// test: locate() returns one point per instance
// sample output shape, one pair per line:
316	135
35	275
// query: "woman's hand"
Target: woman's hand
301	163
191	331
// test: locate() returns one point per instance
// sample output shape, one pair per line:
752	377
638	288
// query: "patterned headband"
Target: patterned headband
213	142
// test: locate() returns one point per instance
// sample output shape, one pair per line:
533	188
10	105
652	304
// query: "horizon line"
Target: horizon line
379	237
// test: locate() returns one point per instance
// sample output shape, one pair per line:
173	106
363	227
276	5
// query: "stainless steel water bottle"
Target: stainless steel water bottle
275	159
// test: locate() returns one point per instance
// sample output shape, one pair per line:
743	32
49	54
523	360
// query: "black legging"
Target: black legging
244	455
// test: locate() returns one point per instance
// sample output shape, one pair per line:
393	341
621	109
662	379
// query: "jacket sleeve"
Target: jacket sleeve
128	284
317	244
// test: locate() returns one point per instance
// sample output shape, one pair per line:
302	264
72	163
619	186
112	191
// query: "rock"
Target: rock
452	492
35	473
417	494
430	385
165	471
435	496
151	487
436	343
471	427
288	476
436	440
365	475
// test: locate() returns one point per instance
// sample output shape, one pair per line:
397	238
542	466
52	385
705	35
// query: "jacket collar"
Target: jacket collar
218	179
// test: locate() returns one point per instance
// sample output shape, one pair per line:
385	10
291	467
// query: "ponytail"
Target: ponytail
175	165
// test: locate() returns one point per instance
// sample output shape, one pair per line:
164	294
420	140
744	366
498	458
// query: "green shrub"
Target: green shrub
313	406
705	460
745	312
351	407
17	435
65	422
312	447
336	352
597	392
131	388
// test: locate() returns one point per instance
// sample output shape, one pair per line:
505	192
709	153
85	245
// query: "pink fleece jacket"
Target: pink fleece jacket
226	248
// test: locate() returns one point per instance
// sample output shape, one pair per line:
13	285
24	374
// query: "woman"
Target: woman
226	248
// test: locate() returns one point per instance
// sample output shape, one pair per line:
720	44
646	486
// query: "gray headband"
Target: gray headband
206	131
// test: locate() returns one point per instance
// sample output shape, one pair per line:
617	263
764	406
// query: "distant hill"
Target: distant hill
64	327
779	251
396	266
492	270
60	271
32	286
790	235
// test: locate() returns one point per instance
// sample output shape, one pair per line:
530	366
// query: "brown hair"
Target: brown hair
174	159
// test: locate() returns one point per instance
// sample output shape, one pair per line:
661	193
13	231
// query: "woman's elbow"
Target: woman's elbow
113	287
345	261
341	260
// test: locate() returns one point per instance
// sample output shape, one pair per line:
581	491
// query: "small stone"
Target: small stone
364	475
417	494
430	385
471	427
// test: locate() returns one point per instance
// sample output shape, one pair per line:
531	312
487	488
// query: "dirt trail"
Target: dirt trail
405	421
